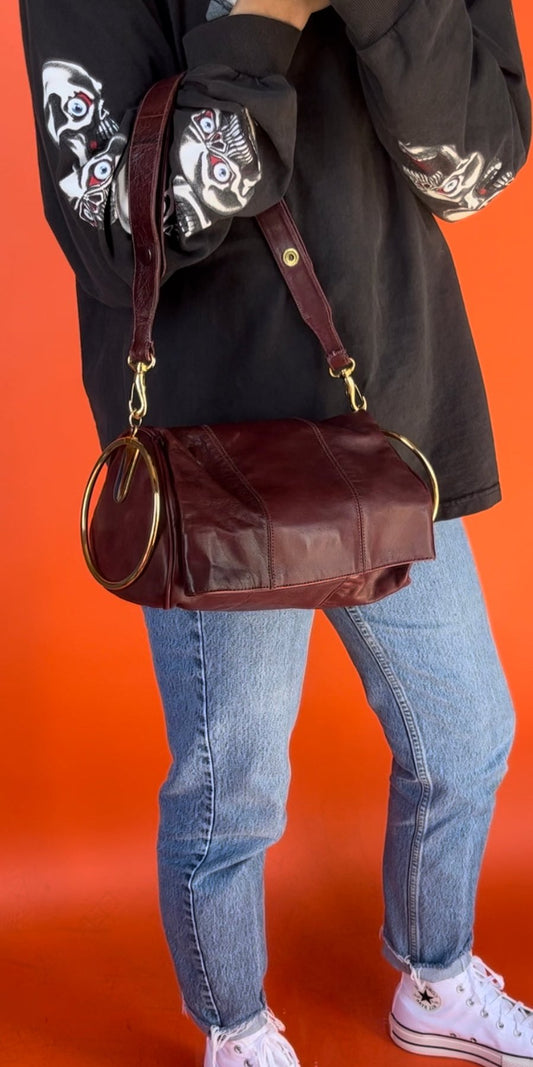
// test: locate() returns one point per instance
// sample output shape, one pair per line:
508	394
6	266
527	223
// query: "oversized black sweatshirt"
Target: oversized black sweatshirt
379	116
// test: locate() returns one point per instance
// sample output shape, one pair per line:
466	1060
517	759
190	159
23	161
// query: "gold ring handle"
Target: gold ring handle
432	476
140	450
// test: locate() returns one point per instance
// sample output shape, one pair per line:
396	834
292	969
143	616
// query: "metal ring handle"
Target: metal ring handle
432	476
123	583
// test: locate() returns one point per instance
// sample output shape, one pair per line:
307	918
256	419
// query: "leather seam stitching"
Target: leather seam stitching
334	460
244	481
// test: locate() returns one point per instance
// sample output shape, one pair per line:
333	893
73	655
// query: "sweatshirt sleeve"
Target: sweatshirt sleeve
444	83
234	127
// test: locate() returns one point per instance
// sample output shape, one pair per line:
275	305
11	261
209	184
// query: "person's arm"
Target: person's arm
234	127
444	83
295	12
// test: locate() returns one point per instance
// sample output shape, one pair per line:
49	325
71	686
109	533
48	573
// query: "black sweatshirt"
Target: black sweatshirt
378	116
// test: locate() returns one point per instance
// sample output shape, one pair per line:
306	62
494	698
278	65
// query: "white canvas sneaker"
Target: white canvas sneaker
468	1017
264	1047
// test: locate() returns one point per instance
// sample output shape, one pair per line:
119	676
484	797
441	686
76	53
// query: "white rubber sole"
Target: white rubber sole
452	1047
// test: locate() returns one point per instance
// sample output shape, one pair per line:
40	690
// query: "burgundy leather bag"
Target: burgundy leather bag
271	514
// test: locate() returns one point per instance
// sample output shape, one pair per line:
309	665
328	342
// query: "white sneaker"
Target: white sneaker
265	1047
468	1017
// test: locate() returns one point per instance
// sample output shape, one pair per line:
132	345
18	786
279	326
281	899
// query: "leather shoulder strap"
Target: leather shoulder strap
284	239
146	179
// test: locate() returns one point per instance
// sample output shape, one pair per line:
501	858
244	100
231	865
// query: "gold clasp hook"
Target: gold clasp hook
138	404
353	392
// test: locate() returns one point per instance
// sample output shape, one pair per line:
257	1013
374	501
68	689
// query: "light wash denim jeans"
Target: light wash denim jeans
231	685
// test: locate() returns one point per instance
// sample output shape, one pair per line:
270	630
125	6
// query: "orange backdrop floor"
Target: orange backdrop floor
86	976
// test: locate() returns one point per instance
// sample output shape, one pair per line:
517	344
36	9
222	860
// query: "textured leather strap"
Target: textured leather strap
284	238
146	178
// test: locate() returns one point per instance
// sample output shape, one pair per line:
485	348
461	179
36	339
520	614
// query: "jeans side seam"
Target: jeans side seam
190	883
424	778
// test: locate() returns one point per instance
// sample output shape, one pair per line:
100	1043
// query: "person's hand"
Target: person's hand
295	12
316	5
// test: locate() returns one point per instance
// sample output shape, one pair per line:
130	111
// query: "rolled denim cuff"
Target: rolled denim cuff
425	972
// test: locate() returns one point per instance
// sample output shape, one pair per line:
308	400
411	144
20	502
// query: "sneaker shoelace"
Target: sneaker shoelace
487	987
220	1037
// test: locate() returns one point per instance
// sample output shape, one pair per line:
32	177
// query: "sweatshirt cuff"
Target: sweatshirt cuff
249	44
368	20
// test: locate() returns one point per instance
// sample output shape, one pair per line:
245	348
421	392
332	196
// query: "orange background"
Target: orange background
85	967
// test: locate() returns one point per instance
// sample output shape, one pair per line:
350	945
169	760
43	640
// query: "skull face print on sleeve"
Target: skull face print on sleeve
215	167
233	128
444	84
79	123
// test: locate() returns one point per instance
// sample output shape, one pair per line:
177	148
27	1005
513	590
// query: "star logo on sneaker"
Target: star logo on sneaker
427	998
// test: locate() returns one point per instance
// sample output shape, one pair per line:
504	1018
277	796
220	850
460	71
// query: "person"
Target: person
373	120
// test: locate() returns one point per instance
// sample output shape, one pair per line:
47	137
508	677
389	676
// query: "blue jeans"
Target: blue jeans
231	685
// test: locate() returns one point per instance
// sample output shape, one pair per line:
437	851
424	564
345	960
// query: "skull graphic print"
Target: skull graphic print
216	165
89	186
219	167
74	109
79	122
466	183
